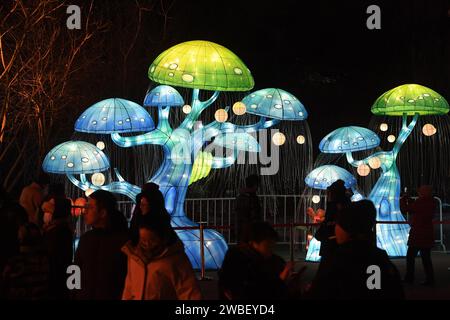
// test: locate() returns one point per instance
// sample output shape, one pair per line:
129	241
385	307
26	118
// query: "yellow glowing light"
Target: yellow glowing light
316	199
391	138
101	145
239	108
363	170
88	192
429	130
187	109
98	179
374	162
384	127
278	139
301	139
221	115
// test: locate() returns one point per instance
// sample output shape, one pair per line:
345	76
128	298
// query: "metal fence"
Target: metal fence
277	209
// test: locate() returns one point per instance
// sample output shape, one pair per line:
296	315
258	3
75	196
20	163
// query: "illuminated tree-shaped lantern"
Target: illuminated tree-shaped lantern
198	65
321	178
406	100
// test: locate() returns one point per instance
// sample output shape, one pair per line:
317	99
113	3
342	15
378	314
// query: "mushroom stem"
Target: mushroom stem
163	120
356	163
197	108
404	134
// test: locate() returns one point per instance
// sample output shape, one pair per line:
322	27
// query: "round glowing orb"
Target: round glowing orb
391	138
98	179
221	115
429	130
187	109
374	162
239	108
301	139
384	127
101	145
363	170
278	139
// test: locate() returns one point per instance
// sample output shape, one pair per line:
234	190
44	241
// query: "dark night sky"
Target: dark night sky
300	45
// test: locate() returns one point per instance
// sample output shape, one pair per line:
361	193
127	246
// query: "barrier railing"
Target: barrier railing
277	209
291	227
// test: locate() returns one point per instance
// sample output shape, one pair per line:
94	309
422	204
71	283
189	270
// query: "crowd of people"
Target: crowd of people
145	259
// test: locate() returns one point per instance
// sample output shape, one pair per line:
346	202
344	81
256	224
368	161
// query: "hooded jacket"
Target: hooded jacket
168	276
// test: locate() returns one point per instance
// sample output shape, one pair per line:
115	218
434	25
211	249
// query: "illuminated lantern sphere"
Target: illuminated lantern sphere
278	139
88	192
429	130
384	127
391	138
301	139
187	109
221	115
374	162
239	108
98	179
363	170
101	145
316	199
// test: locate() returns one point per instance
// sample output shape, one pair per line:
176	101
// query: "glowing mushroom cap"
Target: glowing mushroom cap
410	99
114	115
324	176
163	96
275	103
349	139
75	157
201	65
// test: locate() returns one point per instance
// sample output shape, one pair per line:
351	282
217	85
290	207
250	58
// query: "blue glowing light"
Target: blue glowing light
238	141
75	157
324	176
276	104
349	139
163	96
114	115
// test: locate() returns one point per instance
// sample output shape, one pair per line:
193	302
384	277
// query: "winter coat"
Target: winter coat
248	210
168	276
421	212
325	234
102	264
346	275
246	274
58	238
31	199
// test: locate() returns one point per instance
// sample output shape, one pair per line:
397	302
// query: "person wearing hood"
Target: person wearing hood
248	208
421	235
158	267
